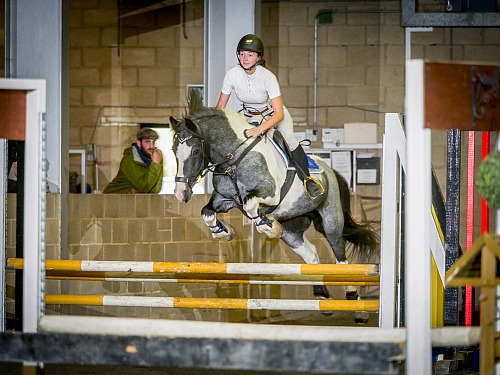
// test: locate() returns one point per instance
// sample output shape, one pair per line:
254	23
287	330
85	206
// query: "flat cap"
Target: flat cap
147	133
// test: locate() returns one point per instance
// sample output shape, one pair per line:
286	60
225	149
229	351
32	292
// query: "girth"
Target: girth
232	168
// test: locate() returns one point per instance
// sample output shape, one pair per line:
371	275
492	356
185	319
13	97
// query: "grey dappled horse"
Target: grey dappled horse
249	174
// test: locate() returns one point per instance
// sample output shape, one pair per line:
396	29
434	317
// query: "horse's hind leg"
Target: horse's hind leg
293	236
220	230
331	227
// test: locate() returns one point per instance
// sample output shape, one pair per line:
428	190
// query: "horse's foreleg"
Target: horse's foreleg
220	230
263	224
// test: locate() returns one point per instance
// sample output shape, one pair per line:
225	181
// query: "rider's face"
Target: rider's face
248	58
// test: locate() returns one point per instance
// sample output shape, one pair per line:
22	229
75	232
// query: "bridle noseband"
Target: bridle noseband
204	168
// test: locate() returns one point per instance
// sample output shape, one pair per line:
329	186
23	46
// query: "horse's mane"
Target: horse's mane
213	122
195	102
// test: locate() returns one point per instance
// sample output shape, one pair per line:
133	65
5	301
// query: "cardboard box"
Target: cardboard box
360	132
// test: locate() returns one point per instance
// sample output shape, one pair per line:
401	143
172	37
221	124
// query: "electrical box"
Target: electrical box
332	135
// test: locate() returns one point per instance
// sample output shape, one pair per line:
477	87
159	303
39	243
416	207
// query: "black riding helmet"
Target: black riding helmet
251	42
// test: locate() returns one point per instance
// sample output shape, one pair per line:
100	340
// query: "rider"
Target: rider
259	91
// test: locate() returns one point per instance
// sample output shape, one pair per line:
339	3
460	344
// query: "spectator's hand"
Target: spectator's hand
156	156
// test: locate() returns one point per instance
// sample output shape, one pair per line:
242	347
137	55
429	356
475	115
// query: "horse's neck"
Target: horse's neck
226	139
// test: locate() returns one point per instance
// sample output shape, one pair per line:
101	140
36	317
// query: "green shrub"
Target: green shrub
488	179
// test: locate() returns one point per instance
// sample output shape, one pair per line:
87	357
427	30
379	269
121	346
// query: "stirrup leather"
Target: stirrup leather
317	183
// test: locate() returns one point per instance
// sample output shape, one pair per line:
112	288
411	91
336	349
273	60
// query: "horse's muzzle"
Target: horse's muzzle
183	191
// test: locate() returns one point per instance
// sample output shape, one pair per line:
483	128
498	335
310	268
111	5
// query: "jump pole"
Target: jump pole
215	281
205	272
204	267
213	303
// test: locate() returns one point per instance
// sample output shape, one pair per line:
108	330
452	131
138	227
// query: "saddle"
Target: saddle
281	146
277	140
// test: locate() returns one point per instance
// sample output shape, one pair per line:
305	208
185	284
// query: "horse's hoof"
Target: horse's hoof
320	292
352	295
361	317
276	230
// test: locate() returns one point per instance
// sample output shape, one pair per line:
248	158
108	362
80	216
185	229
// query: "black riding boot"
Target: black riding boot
312	186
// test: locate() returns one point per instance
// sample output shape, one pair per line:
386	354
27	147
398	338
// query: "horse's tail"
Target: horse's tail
361	235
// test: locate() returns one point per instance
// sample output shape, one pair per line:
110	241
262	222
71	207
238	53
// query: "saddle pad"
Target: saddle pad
313	167
311	164
278	148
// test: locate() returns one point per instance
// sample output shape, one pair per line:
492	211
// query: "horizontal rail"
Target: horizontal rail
267	281
199	272
213	303
203	267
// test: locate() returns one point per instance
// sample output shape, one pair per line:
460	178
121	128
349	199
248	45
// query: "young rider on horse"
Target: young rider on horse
259	91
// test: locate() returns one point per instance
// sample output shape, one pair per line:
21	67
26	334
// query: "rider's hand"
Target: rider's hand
156	156
254	132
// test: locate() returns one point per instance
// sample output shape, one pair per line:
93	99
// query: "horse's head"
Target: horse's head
191	154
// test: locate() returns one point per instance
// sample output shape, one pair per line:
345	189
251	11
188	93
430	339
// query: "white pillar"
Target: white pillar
418	203
38	48
226	21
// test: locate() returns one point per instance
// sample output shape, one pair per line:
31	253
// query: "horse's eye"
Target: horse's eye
196	152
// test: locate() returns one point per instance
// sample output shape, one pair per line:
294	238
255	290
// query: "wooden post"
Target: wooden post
488	302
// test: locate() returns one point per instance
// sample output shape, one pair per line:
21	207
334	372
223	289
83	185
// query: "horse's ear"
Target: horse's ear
173	122
192	127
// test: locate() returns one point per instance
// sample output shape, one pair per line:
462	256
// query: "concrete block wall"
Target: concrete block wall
360	57
127	73
158	228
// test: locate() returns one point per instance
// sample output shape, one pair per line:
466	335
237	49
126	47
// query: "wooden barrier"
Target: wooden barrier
210	272
212	303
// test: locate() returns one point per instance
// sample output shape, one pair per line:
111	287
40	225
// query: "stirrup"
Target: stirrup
317	183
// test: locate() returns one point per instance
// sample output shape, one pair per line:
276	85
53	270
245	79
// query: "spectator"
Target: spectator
141	168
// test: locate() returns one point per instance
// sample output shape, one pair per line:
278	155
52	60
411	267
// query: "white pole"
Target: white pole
34	206
418	203
394	154
315	80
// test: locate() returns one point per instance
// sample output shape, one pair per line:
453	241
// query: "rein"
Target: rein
203	170
231	168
